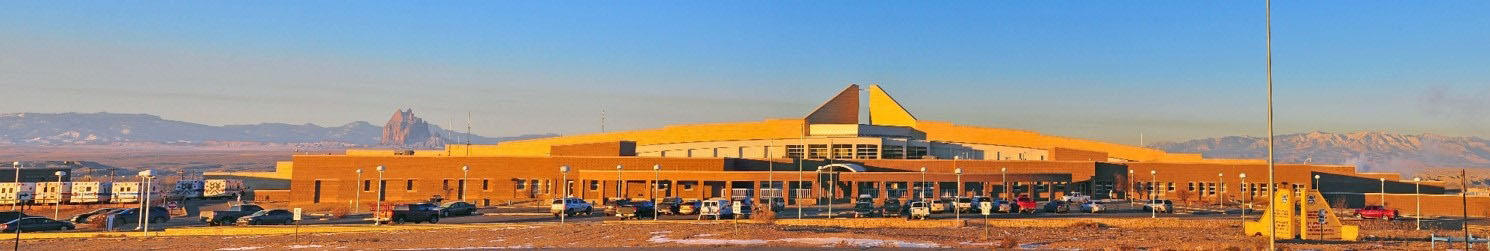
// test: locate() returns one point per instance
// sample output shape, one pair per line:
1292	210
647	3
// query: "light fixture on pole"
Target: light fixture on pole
1246	195
144	221
1221	196
564	174
56	208
958	171
357	196
1154	212
921	187
465	173
619	183
1418	213
656	184
1135	184
1005	172
1316	182
380	191
1383	191
15	205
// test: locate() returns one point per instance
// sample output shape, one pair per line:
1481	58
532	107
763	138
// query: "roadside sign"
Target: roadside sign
987	207
297	214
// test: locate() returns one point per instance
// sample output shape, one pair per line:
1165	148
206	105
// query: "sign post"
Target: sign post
297	218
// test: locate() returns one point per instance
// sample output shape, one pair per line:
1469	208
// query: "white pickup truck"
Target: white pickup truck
570	207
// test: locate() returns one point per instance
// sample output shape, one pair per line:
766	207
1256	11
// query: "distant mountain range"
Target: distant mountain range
1369	151
114	128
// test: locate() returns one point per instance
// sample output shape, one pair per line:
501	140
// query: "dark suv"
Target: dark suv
418	212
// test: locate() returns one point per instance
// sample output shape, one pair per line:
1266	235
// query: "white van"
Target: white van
718	208
11	192
129	192
53	192
91	192
187	189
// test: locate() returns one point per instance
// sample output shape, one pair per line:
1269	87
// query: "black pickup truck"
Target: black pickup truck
418	212
229	216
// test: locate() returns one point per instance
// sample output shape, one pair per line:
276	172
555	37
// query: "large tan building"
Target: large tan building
829	153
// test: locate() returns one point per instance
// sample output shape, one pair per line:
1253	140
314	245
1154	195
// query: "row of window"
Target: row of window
409	185
852	151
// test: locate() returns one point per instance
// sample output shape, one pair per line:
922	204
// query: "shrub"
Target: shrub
1007	241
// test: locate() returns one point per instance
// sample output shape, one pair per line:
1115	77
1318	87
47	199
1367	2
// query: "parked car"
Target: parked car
964	205
984	204
689	207
266	217
230	215
11	215
919	210
1057	206
1376	212
1076	198
1004	206
719	209
864	207
132	215
610	208
668	206
457	208
83	218
570	207
416	212
742	208
892	208
777	204
938	205
30	224
1026	204
1093	207
636	210
1159	206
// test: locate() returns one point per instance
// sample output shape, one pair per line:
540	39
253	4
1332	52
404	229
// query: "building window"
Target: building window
843	151
916	152
1170	188
794	151
367	185
409	185
485	185
817	151
688	186
1192	186
521	184
866	151
445	185
594	185
893	152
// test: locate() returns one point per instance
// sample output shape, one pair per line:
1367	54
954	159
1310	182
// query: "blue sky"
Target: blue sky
1107	70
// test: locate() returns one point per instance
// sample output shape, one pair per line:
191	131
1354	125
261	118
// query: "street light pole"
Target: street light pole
1417	182
1154	212
564	174
380	192
144	222
56	208
1383	191
921	187
959	193
1130	179
656	177
17	203
619	183
1005	172
357	196
1246	195
465	173
1221	196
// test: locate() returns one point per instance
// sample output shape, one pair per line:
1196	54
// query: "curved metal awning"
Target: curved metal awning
851	167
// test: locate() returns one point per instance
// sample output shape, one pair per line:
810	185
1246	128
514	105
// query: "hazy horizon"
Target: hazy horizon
1097	70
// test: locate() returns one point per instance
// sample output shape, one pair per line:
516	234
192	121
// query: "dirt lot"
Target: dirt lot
1185	235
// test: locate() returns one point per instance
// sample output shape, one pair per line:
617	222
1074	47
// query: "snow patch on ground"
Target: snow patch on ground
470	248
304	246
704	235
827	242
238	248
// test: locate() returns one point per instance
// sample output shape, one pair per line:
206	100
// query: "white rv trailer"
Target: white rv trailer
222	188
53	192
91	192
187	189
129	192
10	192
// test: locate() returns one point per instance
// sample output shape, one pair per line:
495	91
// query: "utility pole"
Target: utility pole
1272	218
1464	203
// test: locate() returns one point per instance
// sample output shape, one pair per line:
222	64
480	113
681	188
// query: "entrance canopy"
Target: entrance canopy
851	167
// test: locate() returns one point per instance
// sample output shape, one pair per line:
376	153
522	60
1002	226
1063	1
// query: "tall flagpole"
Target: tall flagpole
1272	187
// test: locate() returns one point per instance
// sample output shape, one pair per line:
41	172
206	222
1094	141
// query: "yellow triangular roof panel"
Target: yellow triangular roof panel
884	110
842	109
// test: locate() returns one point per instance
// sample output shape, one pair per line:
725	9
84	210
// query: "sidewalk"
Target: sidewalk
251	230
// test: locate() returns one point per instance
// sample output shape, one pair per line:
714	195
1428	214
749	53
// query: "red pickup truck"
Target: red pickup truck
1376	212
1026	204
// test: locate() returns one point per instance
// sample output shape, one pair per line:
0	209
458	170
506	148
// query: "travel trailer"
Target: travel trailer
53	192
129	192
187	189
222	188
91	192
11	192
